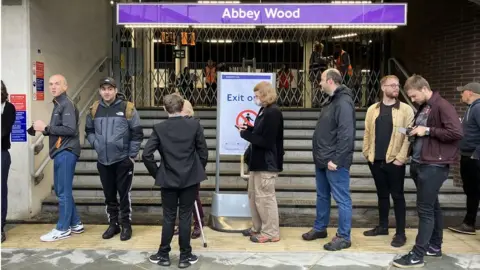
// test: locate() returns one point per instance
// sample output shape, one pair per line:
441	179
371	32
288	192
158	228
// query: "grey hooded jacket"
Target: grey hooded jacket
111	134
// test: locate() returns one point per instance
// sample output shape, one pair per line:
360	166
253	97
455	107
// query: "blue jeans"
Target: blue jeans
64	169
336	183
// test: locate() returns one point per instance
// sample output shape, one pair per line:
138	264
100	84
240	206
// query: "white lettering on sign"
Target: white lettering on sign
274	13
240	14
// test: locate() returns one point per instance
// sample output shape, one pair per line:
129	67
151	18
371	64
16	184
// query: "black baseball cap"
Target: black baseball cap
109	81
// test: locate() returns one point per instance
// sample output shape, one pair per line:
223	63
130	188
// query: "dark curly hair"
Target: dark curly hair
4	93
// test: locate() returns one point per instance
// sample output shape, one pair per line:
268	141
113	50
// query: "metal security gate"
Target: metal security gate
153	62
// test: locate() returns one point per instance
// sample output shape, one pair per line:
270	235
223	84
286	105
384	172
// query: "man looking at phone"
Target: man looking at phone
436	135
385	147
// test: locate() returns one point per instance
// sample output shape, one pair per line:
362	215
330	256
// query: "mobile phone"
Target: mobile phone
402	130
236	126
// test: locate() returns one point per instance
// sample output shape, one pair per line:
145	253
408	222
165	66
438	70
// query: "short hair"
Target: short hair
334	75
4	92
173	103
319	45
416	82
267	92
385	78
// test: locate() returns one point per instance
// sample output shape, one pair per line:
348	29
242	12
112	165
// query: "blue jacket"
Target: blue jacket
470	143
112	135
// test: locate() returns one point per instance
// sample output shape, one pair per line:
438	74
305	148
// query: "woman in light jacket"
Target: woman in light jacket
265	162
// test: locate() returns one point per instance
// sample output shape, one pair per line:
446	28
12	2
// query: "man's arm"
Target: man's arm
201	145
451	129
136	134
345	118
90	130
11	115
148	156
476	116
402	156
267	139
366	134
69	122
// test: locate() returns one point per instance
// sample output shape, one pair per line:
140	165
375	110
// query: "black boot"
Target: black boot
112	230
126	232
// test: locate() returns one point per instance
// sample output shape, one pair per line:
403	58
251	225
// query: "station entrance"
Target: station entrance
158	59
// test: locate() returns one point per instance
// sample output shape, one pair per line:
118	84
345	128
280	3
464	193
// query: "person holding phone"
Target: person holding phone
265	162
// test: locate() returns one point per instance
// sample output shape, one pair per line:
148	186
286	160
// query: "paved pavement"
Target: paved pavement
52	259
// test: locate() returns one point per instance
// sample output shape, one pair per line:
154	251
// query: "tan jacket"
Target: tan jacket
402	116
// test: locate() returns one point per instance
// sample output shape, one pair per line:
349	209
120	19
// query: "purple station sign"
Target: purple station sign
263	14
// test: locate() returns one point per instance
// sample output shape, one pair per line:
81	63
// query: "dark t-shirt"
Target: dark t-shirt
383	131
421	120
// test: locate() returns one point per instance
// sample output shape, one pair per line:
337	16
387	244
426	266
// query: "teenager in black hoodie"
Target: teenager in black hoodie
8	118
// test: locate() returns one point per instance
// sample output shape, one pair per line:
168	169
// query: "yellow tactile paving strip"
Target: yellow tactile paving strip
148	238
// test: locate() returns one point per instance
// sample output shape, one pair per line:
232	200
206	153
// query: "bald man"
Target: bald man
64	146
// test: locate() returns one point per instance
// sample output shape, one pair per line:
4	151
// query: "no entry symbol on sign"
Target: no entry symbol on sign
246	117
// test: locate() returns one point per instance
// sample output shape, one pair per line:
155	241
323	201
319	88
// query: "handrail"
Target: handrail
46	160
404	73
242	166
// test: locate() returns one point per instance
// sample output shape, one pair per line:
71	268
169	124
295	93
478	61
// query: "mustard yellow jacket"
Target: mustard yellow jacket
402	117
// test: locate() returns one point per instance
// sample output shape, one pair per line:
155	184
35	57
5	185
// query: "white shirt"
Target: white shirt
3	106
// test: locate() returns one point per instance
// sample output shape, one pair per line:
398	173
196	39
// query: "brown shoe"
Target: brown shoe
196	233
258	238
463	228
313	234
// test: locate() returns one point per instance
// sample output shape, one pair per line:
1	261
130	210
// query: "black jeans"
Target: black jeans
6	162
117	178
470	172
184	199
389	180
428	179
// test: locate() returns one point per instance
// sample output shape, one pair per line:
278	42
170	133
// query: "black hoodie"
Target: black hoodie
334	136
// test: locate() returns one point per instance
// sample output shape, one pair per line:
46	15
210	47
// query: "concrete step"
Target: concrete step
287	183
288	124
289	157
295	168
288	114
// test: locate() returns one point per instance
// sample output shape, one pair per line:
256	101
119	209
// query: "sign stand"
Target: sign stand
230	212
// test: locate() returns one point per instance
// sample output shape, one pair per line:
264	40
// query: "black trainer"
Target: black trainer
159	259
463	228
313	234
112	230
337	243
409	260
188	261
376	231
126	232
434	252
399	240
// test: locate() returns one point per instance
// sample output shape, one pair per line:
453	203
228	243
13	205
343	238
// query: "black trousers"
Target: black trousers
428	179
117	178
6	162
470	173
184	199
389	180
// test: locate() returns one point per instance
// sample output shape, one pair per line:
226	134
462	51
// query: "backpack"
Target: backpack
129	107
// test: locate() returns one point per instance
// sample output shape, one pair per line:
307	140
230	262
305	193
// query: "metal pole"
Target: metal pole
217	155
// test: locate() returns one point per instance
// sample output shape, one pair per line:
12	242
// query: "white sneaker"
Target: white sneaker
56	235
78	228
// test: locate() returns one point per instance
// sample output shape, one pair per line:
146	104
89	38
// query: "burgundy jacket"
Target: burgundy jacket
441	146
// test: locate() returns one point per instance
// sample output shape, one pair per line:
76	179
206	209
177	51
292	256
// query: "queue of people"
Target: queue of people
431	139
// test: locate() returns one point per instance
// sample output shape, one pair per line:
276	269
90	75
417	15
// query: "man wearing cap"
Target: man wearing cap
470	156
113	130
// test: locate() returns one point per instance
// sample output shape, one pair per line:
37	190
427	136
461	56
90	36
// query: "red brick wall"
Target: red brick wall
442	43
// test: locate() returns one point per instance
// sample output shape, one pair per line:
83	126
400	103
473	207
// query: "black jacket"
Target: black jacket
62	132
183	152
334	136
8	119
470	143
266	138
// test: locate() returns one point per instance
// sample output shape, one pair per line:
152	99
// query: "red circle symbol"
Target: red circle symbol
246	117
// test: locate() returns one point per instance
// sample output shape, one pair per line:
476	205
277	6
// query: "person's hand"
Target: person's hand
241	128
39	125
418	131
397	163
332	166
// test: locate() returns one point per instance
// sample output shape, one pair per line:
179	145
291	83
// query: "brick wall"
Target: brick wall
442	43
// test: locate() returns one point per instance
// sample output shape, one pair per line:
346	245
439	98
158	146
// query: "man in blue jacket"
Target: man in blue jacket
333	145
470	156
64	143
113	129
